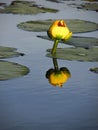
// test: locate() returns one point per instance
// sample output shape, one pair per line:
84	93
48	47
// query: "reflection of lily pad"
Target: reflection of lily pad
25	7
9	70
74	25
78	54
85	42
7	52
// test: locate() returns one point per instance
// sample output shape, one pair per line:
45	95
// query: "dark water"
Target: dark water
30	102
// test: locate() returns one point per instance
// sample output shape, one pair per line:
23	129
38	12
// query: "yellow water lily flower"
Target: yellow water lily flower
58	77
58	31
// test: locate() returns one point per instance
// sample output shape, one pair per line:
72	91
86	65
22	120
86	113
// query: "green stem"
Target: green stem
55	63
54	46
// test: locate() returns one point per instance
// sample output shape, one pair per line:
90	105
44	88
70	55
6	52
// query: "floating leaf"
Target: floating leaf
91	0
9	70
8	52
85	42
56	1
75	25
86	6
78	54
89	6
2	49
25	7
95	70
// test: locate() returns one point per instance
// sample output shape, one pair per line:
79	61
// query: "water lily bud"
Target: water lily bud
59	30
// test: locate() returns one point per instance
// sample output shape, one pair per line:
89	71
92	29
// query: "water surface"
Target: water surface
30	102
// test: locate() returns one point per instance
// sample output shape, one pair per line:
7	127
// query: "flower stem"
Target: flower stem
55	63
54	46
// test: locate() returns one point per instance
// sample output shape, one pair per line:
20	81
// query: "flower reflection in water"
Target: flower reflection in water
57	76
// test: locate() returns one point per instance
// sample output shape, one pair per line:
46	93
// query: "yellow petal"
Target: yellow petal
68	36
59	30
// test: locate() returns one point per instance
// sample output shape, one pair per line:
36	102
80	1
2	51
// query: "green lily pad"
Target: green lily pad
8	52
91	0
84	42
56	1
78	54
95	70
2	48
90	6
75	25
9	70
25	7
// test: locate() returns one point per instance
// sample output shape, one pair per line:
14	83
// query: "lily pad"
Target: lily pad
2	48
25	7
90	6
9	70
78	54
86	6
56	1
75	25
95	70
91	0
84	42
8	52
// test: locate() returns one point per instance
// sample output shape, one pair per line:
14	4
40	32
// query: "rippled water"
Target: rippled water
30	102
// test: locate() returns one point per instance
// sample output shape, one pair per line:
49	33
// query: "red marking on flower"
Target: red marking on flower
61	23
